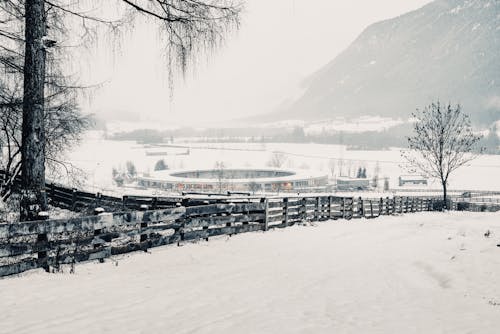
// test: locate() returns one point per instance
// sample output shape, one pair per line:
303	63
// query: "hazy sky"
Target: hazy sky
280	42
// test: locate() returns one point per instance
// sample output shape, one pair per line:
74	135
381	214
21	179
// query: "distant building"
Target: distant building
412	180
345	183
238	179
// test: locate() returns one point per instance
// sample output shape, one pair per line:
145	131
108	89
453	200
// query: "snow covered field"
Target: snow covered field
419	273
480	174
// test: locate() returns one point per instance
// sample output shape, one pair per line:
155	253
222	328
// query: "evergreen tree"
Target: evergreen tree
160	165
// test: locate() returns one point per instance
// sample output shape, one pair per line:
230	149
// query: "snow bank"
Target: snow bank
419	273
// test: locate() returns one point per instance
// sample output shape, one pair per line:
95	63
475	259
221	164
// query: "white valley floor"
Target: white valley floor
420	273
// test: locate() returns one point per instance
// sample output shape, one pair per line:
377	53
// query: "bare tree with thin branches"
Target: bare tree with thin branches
442	142
277	160
220	170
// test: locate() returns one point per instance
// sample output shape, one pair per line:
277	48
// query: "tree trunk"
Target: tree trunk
33	133
445	197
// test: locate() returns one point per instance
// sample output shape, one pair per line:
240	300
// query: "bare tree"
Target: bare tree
131	170
220	169
443	141
254	187
277	160
375	178
340	166
331	166
349	168
386	184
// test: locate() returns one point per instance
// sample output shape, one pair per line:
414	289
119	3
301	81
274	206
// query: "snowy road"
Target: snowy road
420	273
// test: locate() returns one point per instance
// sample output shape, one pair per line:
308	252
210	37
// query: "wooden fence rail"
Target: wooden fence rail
51	243
85	202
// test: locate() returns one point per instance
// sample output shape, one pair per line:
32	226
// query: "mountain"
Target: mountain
447	50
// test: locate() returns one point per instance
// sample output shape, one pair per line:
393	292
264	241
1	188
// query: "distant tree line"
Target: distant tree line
370	140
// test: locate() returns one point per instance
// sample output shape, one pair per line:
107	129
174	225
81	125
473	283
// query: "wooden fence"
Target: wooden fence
82	201
85	202
476	204
51	243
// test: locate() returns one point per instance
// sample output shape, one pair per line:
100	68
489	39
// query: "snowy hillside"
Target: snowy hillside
448	50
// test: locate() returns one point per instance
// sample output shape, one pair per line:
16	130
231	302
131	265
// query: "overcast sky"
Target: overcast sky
280	42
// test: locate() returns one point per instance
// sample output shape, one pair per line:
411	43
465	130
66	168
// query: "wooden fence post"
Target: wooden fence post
361	207
285	210
73	198
98	196
330	200
317	213
371	209
52	192
43	260
266	213
304	209
342	208
124	201
144	224
97	232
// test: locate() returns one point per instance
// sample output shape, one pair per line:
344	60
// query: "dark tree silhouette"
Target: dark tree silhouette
131	170
442	141
161	165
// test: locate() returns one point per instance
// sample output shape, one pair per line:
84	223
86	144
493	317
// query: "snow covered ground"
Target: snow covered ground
480	174
419	273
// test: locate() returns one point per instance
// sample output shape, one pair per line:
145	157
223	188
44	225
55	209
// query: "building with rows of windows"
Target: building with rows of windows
237	180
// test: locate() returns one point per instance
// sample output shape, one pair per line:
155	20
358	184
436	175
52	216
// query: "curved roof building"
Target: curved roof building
235	179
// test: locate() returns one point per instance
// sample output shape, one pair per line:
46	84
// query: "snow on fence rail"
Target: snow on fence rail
82	201
51	243
77	200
